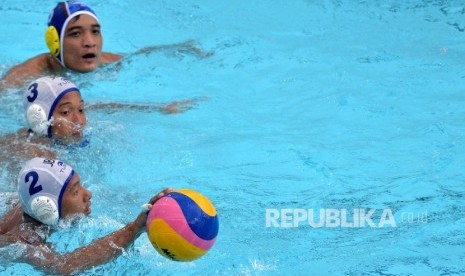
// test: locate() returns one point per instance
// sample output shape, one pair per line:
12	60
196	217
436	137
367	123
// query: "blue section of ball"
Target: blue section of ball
203	225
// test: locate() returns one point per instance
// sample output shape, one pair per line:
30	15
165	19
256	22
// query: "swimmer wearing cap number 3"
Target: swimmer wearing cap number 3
55	112
75	41
49	191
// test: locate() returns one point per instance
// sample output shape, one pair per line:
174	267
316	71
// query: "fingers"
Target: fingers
160	195
179	106
146	207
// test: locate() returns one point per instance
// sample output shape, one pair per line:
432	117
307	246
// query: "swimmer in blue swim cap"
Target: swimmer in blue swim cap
49	191
74	39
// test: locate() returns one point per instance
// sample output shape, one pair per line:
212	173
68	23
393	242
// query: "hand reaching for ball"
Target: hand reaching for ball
142	218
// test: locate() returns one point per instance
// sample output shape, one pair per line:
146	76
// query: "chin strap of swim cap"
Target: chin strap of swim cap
37	119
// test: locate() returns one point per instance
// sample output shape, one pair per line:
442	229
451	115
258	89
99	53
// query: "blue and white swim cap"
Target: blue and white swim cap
40	100
57	22
41	185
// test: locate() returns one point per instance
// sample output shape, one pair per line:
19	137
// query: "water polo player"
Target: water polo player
54	112
74	40
75	27
50	190
54	107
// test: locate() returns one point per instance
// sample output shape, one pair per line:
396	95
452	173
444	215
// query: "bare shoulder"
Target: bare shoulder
110	57
27	70
14	229
21	147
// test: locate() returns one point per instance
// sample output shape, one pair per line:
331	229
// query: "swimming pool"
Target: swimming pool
320	105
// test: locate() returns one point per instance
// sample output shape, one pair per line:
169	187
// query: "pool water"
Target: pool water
320	105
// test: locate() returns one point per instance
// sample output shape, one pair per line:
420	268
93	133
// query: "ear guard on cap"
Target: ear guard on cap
45	210
53	40
37	119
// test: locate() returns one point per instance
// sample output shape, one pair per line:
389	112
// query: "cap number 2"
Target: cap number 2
33	189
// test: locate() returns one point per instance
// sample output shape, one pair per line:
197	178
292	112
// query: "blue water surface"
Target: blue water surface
303	105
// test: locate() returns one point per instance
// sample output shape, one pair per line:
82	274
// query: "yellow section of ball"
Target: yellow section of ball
53	40
170	244
203	202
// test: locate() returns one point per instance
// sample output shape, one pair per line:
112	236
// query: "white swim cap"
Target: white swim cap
41	185
40	100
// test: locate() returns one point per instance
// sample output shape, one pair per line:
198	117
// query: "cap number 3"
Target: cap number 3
33	89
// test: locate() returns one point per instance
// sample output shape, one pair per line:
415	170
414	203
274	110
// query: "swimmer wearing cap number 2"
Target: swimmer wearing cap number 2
50	191
74	40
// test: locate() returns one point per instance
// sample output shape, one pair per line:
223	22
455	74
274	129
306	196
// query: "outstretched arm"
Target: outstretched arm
172	108
186	47
98	252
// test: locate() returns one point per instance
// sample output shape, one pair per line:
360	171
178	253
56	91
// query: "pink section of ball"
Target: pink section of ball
167	209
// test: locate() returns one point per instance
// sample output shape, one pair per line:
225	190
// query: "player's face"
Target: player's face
82	44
